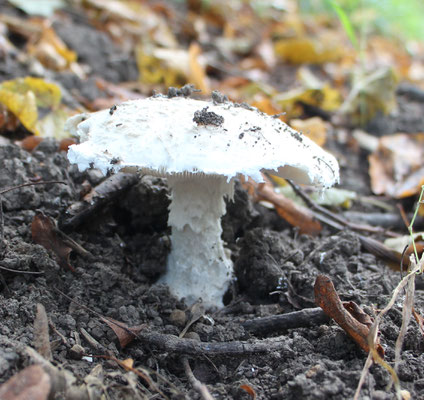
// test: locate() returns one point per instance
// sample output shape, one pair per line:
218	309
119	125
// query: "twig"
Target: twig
93	343
297	319
322	211
105	192
3	191
21	272
41	333
197	385
1	224
173	344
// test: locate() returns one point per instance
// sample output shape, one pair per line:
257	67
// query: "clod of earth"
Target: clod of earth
200	158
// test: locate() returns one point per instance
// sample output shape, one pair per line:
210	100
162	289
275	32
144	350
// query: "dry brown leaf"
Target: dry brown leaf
358	313
45	233
266	105
327	298
32	383
124	333
420	320
296	215
396	166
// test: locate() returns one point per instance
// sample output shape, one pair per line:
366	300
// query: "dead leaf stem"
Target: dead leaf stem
200	388
327	298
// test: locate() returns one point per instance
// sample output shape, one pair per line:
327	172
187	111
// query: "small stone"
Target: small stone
178	318
76	352
192	335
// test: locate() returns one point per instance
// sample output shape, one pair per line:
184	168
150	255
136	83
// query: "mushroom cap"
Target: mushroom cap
168	136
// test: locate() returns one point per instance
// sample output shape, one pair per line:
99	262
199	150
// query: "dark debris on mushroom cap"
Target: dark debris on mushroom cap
205	117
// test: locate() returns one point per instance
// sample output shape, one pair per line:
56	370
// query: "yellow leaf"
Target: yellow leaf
23	96
326	98
22	105
166	66
128	364
52	125
308	50
51	51
197	71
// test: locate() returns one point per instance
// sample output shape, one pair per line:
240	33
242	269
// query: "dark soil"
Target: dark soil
128	242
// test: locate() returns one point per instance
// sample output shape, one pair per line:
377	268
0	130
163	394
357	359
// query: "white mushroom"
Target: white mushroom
200	147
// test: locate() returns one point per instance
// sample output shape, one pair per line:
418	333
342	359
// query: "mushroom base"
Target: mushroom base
198	265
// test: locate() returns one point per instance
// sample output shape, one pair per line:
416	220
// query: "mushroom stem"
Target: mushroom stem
198	265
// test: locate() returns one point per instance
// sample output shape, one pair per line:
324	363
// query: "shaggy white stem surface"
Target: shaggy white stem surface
198	265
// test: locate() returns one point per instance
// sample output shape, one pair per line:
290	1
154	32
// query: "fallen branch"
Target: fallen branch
191	347
297	319
104	193
174	344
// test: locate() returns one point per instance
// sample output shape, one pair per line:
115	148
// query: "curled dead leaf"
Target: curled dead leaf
327	298
45	233
124	333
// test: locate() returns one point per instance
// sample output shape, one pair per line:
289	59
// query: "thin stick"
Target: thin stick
1	224
173	344
296	319
198	386
22	272
340	220
410	227
3	191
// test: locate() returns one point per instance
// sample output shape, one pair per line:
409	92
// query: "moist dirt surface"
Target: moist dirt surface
126	243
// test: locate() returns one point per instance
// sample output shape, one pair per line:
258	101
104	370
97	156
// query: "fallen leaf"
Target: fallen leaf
310	50
332	197
395	168
420	320
325	98
162	66
124	333
371	93
32	383
128	364
314	128
197	73
45	233
31	142
296	215
50	50
23	96
249	390
327	298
